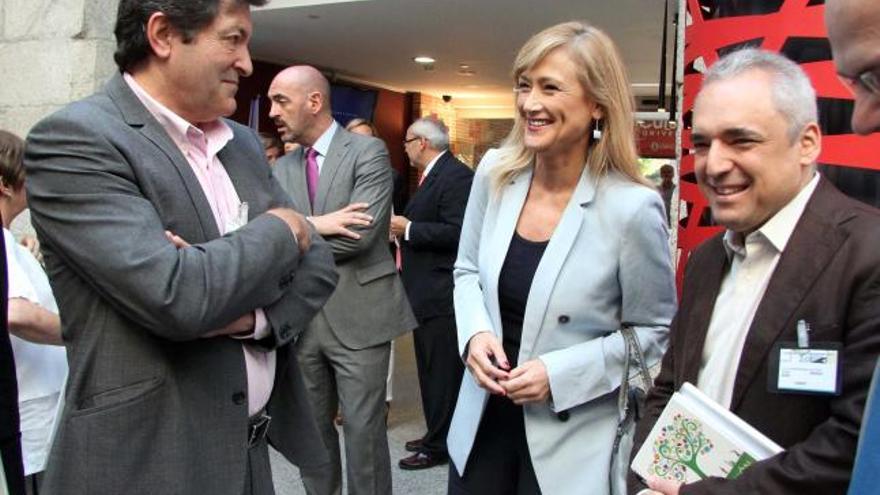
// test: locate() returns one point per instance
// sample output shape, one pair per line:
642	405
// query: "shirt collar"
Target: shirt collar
322	145
777	231
210	138
432	163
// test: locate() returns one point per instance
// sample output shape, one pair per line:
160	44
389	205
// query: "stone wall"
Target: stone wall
52	52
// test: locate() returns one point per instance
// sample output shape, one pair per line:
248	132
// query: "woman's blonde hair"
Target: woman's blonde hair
602	75
357	122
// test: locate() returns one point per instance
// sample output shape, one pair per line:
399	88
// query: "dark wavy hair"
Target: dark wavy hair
187	16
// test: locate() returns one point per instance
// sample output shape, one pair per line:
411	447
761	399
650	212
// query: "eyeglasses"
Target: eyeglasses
868	80
407	141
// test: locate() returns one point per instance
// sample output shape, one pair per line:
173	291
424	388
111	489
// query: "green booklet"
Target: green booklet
696	438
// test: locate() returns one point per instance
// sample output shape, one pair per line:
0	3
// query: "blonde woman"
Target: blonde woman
563	243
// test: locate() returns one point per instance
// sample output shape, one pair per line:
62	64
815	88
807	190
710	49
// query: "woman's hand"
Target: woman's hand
484	351
527	383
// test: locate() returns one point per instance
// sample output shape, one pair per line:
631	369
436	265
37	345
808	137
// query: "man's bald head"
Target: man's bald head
300	98
308	79
854	33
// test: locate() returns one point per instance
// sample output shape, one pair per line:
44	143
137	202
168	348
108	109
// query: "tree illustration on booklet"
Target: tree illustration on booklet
679	447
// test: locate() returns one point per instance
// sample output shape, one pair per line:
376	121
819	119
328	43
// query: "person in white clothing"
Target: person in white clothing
34	325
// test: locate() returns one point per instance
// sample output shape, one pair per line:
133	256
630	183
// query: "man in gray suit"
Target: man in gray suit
178	352
343	181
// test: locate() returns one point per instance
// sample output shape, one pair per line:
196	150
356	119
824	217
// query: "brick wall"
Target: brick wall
476	136
469	138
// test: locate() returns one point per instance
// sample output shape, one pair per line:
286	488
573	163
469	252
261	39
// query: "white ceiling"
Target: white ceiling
374	41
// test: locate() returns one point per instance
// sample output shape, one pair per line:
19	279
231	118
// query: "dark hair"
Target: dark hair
270	140
11	166
186	16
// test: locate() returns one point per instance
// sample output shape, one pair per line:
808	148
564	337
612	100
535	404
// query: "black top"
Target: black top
514	283
10	448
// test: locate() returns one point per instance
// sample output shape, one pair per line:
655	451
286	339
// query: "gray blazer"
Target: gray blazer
152	407
369	306
607	263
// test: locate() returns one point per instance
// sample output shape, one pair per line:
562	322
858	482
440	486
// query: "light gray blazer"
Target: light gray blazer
607	263
153	406
369	306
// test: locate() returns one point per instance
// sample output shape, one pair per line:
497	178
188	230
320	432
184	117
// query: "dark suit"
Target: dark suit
345	351
436	211
153	406
10	447
829	276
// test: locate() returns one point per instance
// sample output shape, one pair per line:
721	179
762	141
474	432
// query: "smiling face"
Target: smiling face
854	34
746	164
554	106
205	71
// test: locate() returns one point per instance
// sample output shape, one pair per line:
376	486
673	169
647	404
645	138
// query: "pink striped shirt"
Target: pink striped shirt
200	147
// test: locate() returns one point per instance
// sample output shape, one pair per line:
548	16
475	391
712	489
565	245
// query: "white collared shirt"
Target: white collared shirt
322	145
752	263
424	176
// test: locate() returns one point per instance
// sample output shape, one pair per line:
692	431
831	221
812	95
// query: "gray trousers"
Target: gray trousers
354	381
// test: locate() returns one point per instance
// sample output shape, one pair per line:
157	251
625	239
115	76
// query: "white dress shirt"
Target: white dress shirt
752	263
322	145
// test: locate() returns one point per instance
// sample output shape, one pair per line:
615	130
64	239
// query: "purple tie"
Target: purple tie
312	174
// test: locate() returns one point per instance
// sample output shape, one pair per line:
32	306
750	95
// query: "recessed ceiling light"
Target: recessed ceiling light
423	60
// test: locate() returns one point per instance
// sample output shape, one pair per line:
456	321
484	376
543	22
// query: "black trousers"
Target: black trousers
34	483
440	370
258	473
499	463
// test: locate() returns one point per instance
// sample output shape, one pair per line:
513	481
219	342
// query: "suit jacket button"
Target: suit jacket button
238	398
564	319
562	416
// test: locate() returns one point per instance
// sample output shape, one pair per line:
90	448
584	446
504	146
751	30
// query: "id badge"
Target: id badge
805	370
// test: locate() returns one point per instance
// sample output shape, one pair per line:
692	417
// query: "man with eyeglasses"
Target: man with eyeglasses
854	33
428	231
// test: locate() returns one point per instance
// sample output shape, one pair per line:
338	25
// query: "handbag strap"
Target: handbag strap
643	370
632	350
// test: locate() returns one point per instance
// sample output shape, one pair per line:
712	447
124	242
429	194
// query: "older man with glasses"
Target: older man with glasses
855	44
